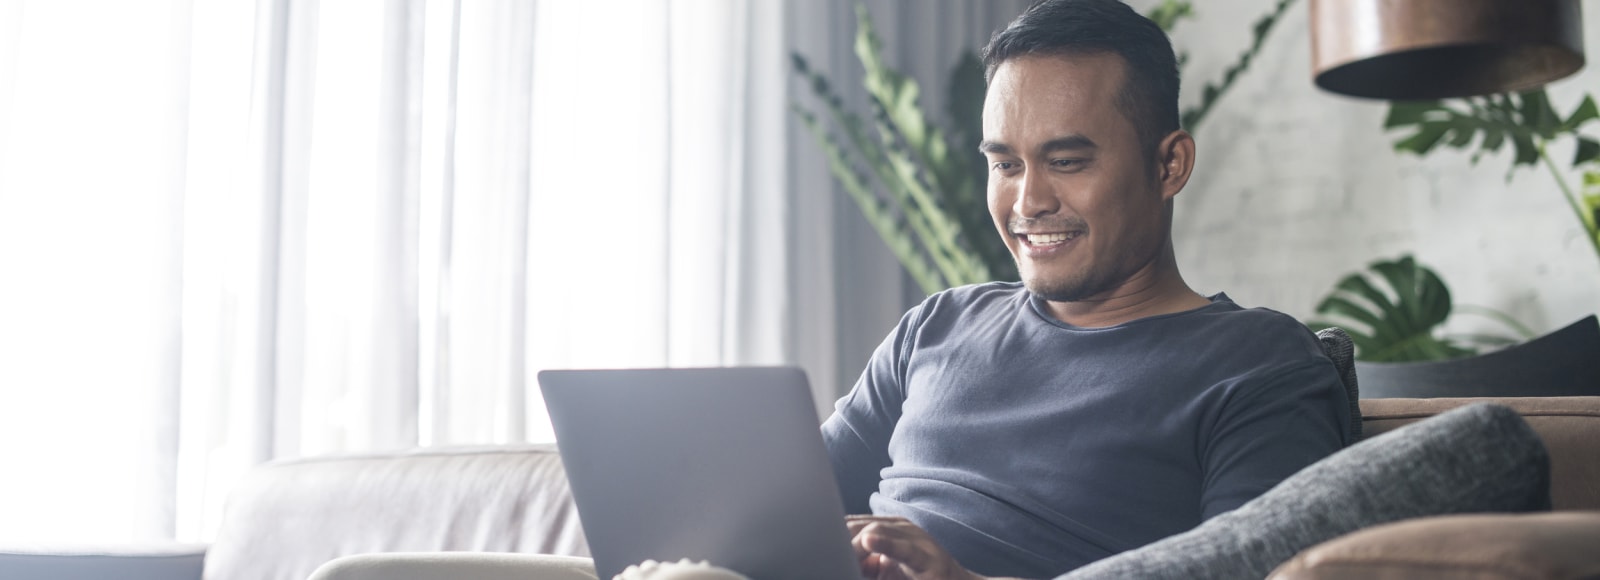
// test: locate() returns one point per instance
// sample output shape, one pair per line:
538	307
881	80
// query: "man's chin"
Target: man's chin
1057	291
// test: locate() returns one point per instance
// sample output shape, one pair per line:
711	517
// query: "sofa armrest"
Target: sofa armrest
455	565
141	562
1495	546
290	516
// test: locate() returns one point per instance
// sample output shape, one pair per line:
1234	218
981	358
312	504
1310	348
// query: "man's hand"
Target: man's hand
896	549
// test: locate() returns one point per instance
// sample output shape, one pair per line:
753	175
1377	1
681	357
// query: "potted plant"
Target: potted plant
1399	349
1394	313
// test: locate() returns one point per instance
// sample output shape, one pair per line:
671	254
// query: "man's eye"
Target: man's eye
1002	166
1066	163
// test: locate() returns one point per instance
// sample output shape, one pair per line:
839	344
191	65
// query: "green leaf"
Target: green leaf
1401	275
1433	304
1527	120
1538	115
1357	285
1169	12
965	101
1589	197
1398	324
1507	320
1338	305
1527	151
962	176
1190	118
1586	112
872	208
799	63
931	180
1588	150
1493	138
1426	137
1409	113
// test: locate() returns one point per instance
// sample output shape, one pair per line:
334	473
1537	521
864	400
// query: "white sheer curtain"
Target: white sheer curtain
454	195
91	174
291	227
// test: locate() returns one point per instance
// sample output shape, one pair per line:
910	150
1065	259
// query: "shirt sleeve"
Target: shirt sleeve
1269	429
857	434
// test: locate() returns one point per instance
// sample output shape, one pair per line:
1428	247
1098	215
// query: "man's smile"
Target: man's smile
1040	245
1048	239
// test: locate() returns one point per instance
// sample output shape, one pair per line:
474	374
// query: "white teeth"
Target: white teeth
1050	238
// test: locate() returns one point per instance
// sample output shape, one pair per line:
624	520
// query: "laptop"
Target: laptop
724	465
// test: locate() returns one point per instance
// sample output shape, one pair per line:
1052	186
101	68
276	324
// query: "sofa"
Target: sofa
1564	543
488	507
288	517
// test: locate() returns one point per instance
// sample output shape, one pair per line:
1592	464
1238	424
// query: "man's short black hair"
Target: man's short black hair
1149	96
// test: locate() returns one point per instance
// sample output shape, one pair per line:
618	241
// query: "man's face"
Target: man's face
1070	188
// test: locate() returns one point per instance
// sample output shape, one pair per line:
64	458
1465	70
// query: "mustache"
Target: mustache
1049	224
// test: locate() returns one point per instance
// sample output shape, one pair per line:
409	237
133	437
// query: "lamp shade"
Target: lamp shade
1432	49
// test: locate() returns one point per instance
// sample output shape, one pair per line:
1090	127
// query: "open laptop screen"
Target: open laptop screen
725	465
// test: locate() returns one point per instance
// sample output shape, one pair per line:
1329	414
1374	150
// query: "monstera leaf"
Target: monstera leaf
1527	120
1392	312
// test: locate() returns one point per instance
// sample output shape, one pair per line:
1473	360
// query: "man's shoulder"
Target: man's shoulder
1262	336
963	307
975	297
1256	318
983	291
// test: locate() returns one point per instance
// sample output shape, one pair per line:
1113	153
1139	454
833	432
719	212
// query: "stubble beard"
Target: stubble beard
1099	277
1071	287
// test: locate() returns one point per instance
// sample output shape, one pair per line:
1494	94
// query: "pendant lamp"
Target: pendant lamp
1433	49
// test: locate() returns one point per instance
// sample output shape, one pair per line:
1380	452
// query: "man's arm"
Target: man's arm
1271	429
857	434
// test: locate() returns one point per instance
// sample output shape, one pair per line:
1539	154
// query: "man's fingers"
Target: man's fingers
856	522
884	568
896	549
906	545
906	551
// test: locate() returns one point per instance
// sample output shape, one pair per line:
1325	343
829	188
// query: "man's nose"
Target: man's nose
1034	196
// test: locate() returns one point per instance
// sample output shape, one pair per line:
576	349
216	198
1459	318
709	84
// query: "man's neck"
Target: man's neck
1154	290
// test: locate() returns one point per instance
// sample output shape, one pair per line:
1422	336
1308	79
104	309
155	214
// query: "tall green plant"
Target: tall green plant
1528	122
933	215
920	186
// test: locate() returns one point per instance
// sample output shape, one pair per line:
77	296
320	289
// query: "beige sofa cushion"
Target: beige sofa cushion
1471	547
290	517
1569	427
1558	545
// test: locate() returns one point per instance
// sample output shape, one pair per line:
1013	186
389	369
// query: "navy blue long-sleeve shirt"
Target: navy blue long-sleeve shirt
1028	447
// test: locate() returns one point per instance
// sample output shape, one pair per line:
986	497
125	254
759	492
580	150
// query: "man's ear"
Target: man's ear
1175	162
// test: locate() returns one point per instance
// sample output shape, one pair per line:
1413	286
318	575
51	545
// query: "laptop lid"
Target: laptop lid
724	465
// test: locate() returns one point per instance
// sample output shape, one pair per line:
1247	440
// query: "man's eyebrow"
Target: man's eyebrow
996	147
1069	142
1077	142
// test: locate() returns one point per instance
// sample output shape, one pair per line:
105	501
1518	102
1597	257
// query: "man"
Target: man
1026	429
